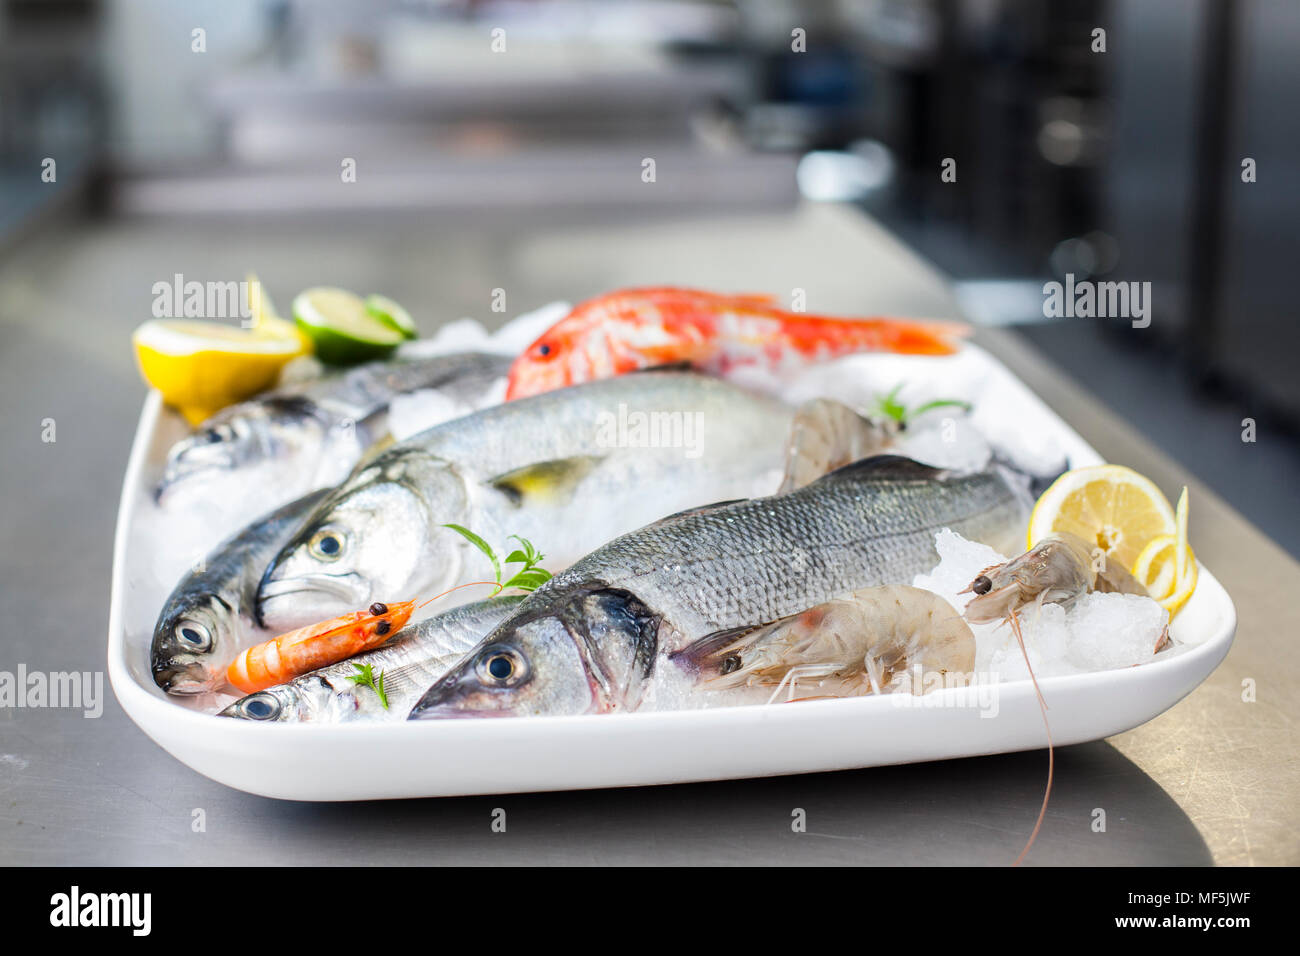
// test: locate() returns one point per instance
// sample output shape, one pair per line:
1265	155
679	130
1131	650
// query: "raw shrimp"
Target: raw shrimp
875	640
306	649
1058	570
825	435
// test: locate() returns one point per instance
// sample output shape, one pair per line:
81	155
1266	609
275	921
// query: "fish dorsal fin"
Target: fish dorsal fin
887	467
376	448
826	435
704	509
542	480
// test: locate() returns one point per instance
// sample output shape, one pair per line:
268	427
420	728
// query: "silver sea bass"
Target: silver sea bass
414	659
568	470
209	616
588	641
308	435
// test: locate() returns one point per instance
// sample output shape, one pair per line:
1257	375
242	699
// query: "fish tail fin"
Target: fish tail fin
1034	483
824	335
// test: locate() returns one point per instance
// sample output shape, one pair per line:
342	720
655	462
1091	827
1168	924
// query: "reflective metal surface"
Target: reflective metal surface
1213	780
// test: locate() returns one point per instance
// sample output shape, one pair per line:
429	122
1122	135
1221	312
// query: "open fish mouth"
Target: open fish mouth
332	583
186	465
348	588
449	711
184	679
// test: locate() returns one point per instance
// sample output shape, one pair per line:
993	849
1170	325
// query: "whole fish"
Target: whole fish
641	328
308	435
414	659
568	470
209	617
588	641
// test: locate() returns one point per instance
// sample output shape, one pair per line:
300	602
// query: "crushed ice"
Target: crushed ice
1097	632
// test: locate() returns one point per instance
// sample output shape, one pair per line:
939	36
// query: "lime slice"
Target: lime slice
391	314
342	331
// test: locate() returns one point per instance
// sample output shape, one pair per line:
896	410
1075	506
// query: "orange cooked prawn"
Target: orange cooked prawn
641	328
309	648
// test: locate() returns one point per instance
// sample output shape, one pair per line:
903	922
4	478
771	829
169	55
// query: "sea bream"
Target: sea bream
567	470
209	616
591	639
415	658
309	434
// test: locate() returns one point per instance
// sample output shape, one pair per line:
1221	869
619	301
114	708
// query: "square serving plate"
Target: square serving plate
458	757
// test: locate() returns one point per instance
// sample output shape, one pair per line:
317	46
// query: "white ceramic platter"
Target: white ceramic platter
456	757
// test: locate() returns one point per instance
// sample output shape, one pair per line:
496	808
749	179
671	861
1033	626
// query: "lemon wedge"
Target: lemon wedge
201	367
1109	506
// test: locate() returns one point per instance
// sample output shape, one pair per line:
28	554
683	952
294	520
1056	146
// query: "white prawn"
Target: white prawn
876	640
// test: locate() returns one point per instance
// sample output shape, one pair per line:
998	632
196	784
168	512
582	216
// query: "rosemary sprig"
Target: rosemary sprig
889	407
528	578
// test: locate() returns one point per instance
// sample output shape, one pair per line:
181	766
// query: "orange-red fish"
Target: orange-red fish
641	328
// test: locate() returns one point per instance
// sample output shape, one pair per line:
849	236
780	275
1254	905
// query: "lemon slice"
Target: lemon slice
341	329
1173	603
1157	566
1110	506
201	367
1184	552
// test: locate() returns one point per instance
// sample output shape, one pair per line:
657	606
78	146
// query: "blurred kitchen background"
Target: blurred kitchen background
1121	162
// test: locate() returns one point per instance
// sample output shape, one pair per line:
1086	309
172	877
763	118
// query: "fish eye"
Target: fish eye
543	349
262	707
193	636
501	666
327	545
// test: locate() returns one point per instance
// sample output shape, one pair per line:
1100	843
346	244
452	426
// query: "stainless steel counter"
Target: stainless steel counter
1213	779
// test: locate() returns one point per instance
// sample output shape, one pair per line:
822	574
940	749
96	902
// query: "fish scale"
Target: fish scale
760	560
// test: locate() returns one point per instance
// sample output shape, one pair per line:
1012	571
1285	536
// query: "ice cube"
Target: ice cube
413	412
1114	630
1047	644
946	441
960	562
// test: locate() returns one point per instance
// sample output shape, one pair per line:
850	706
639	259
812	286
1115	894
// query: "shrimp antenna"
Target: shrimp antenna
1051	750
471	584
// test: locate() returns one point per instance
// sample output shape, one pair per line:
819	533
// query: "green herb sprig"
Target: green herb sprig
889	407
365	677
528	578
